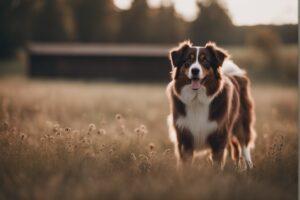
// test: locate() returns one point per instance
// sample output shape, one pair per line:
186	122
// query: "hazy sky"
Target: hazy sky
243	12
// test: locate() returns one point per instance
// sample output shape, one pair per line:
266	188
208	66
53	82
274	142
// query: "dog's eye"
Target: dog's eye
189	61
203	58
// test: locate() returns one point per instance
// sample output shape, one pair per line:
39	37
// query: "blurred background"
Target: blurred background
130	39
83	105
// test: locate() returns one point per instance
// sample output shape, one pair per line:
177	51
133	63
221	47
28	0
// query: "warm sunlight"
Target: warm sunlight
188	9
243	12
262	12
149	99
123	4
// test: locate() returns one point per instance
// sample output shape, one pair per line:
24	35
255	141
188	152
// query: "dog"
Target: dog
211	107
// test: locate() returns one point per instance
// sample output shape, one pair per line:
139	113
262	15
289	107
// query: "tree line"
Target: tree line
101	21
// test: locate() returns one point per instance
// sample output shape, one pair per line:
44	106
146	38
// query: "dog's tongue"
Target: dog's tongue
195	84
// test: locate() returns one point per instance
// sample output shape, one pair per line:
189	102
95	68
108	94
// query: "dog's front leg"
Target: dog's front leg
185	155
219	158
185	147
218	142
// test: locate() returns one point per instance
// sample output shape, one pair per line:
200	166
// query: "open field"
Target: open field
75	140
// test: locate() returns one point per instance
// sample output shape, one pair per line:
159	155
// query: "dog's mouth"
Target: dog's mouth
196	83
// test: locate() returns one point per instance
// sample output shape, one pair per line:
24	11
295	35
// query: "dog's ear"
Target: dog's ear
218	56
177	56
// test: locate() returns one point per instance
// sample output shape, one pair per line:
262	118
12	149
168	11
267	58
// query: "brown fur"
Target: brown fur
185	144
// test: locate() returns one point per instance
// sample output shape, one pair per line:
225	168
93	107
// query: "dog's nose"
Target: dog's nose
195	71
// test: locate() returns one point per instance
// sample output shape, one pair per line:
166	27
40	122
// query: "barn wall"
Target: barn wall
103	67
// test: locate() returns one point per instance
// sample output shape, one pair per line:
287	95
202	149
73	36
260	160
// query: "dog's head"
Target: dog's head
195	64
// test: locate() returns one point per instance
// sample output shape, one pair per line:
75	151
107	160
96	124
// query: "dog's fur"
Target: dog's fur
212	109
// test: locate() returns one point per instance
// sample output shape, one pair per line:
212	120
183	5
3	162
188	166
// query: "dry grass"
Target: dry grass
73	140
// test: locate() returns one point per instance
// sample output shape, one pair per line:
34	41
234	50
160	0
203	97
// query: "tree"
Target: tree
268	43
96	20
134	23
54	22
165	26
15	25
213	23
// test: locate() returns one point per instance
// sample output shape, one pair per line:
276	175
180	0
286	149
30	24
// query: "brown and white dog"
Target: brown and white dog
211	105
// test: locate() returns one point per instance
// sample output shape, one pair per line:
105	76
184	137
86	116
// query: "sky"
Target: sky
242	12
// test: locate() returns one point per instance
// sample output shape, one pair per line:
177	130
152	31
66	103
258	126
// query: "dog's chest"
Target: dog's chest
196	119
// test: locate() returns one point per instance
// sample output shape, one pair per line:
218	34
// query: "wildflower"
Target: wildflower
55	128
143	127
101	132
143	157
133	157
67	130
92	127
151	146
137	130
22	136
118	116
102	147
112	150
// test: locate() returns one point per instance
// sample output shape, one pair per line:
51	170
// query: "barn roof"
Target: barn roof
79	49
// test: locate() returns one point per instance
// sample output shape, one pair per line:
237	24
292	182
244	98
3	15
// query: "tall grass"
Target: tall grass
74	140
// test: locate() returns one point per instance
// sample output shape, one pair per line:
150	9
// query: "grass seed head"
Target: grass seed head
68	130
118	116
137	130
151	146
22	136
143	127
92	127
5	126
133	157
101	131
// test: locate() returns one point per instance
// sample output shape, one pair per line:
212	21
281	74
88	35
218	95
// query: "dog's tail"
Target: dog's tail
231	69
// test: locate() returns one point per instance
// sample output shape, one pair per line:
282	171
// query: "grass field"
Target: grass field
75	140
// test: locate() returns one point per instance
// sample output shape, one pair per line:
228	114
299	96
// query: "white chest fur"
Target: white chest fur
196	119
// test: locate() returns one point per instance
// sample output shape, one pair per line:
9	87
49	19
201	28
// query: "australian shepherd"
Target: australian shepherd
211	105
